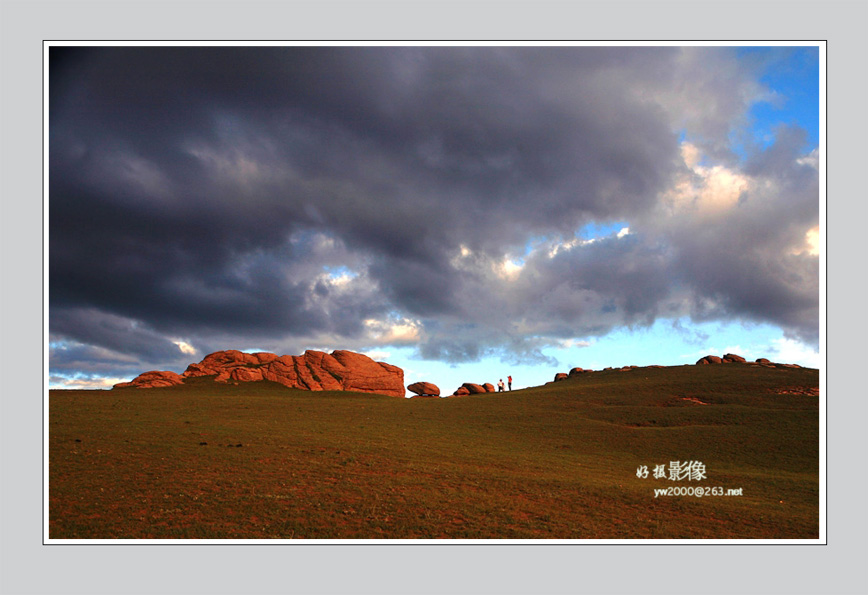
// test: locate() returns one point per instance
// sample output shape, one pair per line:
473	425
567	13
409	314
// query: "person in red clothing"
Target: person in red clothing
509	381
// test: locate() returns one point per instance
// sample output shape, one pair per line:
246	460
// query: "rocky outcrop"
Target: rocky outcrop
709	359
471	388
729	358
561	376
315	370
153	380
424	389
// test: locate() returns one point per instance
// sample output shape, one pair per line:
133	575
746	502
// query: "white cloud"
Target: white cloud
377	356
811	245
509	269
812	159
570	343
185	347
790	351
60	382
390	332
706	190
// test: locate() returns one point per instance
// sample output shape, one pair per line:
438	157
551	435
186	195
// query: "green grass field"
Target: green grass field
259	461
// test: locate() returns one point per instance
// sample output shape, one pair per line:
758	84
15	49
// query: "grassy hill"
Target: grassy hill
258	460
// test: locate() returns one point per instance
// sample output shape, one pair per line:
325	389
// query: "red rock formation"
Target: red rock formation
315	370
489	388
461	392
733	358
424	389
561	376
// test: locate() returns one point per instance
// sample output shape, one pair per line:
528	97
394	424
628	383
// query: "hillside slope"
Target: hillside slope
259	460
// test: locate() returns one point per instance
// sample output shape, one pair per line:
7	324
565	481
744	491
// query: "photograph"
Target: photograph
434	293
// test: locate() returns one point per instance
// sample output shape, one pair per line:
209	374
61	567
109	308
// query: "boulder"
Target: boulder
488	387
763	360
733	358
424	389
576	371
709	359
461	391
474	389
152	379
561	376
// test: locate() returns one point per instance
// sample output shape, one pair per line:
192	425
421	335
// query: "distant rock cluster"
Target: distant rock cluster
731	358
314	370
579	371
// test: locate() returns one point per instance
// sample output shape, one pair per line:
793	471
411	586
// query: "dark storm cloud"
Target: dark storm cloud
259	196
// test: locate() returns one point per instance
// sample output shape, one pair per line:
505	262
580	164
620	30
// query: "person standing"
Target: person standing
500	385
509	380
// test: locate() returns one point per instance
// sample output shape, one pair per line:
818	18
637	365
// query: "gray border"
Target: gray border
29	567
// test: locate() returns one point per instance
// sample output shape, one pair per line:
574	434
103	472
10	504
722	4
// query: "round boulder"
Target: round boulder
561	376
424	389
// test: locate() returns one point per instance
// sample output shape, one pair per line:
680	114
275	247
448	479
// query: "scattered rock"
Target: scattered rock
561	376
461	392
424	389
806	391
694	400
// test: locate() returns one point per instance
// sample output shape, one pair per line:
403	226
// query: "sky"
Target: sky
465	213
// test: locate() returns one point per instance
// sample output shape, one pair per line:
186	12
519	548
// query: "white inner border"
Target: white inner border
822	198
